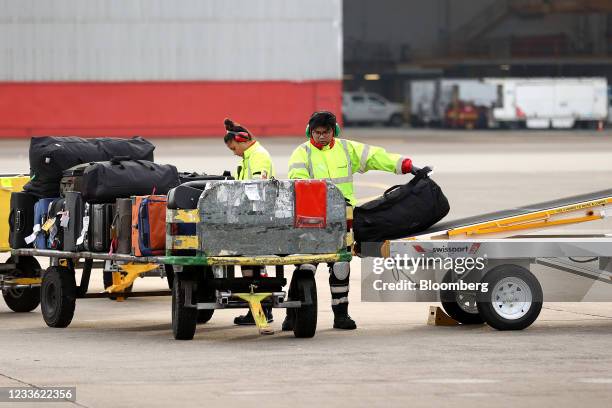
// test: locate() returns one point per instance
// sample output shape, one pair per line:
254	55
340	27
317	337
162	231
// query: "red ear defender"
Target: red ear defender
242	136
237	136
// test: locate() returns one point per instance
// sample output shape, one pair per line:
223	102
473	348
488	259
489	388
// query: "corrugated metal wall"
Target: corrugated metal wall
163	40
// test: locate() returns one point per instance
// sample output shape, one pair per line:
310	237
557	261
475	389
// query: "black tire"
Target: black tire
107	277
58	296
169	269
206	293
184	319
461	307
305	317
510	280
396	120
205	315
23	300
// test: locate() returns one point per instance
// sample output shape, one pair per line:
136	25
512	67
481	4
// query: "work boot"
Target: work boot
341	318
247	319
288	322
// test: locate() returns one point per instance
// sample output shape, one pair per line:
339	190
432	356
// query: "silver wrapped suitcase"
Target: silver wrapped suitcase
250	218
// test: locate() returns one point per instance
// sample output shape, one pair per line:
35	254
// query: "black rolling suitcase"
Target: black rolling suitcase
186	195
122	225
21	219
74	233
100	222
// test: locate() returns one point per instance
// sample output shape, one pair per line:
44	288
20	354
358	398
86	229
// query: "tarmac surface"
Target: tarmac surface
122	354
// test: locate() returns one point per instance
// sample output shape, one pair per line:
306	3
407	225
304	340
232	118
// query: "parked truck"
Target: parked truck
454	103
534	103
542	103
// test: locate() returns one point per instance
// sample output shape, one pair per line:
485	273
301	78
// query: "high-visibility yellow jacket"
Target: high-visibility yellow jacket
340	162
256	164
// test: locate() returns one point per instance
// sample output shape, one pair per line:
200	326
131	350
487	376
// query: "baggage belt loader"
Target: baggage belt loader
514	297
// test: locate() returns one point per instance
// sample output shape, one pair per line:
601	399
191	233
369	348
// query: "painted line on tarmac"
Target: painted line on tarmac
382	186
576	313
595	380
456	381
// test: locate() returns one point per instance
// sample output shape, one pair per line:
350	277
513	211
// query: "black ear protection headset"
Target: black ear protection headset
330	116
237	136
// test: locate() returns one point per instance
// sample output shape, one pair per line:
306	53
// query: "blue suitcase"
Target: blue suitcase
41	209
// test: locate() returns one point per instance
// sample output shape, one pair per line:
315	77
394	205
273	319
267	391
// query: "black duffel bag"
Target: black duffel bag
403	210
104	182
50	156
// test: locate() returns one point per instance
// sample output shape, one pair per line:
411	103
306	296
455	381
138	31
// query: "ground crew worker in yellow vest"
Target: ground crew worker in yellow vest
256	161
256	164
324	156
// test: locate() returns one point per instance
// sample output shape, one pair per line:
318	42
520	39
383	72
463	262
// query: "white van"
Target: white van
364	107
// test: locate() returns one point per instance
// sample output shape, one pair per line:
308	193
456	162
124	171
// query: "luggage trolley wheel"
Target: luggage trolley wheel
461	306
206	293
513	300
23	300
58	296
304	288
184	319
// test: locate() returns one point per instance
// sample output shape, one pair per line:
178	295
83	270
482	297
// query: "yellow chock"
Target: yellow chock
254	300
437	317
132	271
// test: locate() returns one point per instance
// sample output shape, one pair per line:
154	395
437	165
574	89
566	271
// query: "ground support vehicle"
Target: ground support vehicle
514	298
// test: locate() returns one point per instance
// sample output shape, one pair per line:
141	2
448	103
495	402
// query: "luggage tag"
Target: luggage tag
65	218
32	237
53	233
83	230
48	224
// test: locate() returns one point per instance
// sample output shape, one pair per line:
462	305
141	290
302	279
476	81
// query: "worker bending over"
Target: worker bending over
256	165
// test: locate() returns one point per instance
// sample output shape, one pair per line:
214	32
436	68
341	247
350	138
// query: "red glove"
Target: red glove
406	166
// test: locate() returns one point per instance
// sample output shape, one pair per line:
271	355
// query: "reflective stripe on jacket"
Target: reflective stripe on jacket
256	163
340	162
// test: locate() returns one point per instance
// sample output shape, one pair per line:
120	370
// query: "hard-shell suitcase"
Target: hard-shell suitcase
149	225
55	238
186	195
104	182
123	225
100	222
8	184
41	229
78	223
21	219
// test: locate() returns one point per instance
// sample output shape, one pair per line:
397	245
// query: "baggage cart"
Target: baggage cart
199	284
